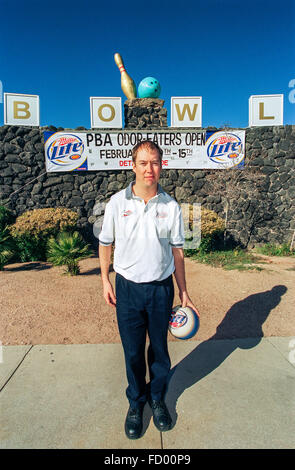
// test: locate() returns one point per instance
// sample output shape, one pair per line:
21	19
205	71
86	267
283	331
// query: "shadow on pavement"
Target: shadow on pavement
243	323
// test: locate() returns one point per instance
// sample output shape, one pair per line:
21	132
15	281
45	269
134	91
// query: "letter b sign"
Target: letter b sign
21	110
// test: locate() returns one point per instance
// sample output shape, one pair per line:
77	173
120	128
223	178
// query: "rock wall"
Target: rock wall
258	202
145	113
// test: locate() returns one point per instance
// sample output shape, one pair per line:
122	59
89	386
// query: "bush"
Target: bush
211	224
6	217
273	249
67	250
212	242
6	247
212	230
32	229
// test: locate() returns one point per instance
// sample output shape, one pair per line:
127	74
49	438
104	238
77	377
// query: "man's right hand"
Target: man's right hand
104	259
108	294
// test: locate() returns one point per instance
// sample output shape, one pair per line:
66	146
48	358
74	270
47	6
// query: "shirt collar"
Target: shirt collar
130	195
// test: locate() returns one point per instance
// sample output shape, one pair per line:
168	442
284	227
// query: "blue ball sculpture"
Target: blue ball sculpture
149	87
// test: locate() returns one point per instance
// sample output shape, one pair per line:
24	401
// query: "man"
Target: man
147	227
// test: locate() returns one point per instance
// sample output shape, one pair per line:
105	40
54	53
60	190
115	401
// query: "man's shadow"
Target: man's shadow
243	323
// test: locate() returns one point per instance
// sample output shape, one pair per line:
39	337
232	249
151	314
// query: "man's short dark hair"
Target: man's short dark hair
146	145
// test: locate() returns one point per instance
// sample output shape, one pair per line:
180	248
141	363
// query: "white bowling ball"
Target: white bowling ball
183	322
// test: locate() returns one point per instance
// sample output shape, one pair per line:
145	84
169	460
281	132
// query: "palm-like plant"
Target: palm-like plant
6	248
67	249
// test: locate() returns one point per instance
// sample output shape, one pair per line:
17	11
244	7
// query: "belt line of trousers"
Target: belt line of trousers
144	308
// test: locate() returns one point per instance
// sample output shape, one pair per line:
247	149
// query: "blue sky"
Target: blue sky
224	51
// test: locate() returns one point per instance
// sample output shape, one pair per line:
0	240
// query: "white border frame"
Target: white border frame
263	96
104	98
21	94
186	97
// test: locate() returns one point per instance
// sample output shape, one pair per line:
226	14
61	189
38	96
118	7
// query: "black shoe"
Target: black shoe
133	423
162	418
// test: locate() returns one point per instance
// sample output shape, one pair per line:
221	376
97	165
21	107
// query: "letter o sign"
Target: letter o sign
102	115
106	112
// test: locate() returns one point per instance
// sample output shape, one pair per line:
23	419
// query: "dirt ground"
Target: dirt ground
40	305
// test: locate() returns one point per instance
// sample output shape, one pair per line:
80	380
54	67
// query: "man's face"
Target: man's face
147	168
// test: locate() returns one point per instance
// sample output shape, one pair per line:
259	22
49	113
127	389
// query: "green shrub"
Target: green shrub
6	247
67	249
273	249
32	229
211	242
30	248
6	217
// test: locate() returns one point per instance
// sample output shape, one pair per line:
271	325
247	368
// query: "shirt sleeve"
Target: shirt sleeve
107	233
177	231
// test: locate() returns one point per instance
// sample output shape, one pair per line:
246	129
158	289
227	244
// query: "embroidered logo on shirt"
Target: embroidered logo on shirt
126	213
161	215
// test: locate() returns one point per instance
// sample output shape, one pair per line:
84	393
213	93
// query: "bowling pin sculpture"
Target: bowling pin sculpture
127	84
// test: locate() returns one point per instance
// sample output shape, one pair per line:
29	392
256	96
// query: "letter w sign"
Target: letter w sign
186	111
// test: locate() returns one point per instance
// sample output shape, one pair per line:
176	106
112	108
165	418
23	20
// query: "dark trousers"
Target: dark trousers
144	308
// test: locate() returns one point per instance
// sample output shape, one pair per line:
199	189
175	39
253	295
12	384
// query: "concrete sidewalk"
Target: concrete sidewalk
222	394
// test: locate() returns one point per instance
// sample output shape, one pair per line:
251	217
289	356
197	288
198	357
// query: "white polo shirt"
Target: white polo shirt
144	234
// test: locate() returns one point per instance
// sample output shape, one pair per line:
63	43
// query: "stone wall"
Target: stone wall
145	113
259	201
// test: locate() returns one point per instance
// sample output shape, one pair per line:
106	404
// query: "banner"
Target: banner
82	151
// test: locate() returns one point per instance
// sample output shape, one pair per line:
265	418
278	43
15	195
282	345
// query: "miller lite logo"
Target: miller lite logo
225	148
66	151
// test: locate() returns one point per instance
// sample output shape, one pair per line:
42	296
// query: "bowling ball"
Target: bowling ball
183	322
149	87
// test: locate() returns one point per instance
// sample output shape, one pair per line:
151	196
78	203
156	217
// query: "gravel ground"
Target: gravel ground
40	305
